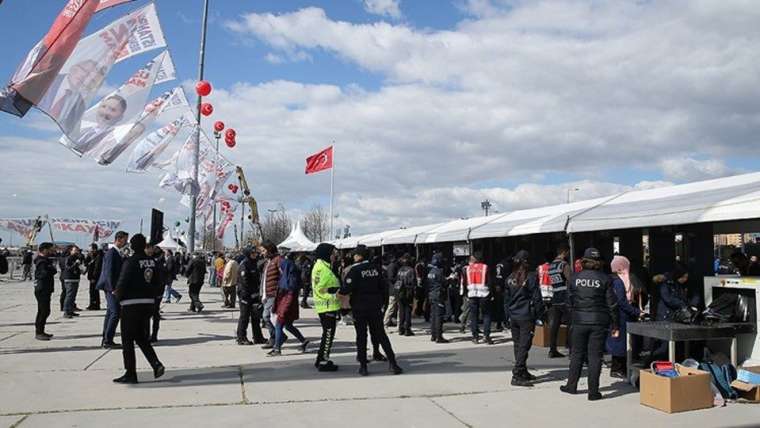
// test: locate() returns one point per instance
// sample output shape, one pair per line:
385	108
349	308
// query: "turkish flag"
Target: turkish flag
320	161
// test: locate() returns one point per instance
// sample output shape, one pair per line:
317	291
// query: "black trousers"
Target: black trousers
557	313
404	316
229	296
94	295
134	329
437	309
522	336
588	341
63	293
156	318
328	321
250	313
43	310
194	290
373	321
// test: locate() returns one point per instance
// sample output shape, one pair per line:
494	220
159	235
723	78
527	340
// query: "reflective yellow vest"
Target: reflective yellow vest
322	278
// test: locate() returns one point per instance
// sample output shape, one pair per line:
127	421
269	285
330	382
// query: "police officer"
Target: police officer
594	309
44	273
364	284
325	285
136	289
559	274
436	291
523	299
249	298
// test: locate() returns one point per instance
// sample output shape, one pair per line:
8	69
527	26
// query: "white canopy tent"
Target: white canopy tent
297	241
168	243
723	199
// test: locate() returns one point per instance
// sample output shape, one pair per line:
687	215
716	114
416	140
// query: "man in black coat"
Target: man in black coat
367	290
71	275
249	299
109	274
94	264
196	274
44	274
139	283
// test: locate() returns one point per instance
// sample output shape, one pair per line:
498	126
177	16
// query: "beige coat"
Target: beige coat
230	277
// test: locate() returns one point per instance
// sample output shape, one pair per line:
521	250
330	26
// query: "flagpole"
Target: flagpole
196	150
332	188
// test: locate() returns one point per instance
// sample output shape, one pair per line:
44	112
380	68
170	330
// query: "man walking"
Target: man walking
249	299
27	263
44	273
229	283
364	284
196	274
71	275
437	291
109	275
270	280
138	285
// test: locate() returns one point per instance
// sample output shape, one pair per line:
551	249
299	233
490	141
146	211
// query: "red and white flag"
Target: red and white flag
320	161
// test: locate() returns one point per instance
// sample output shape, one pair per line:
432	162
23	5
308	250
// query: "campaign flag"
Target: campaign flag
181	168
26	226
227	215
95	234
151	147
110	122
86	69
43	63
320	161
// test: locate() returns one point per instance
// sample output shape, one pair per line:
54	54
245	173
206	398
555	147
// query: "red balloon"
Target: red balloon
229	143
231	186
207	109
218	126
203	88
230	134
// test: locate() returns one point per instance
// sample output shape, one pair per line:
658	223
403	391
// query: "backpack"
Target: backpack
722	376
728	308
406	280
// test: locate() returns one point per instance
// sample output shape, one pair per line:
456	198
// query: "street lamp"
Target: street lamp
569	192
485	205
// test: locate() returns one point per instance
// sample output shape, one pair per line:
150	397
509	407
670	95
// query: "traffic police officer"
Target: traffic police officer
139	283
324	286
249	298
364	284
436	294
594	309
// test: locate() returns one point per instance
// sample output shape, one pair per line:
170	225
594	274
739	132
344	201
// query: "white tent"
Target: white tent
297	241
168	243
723	199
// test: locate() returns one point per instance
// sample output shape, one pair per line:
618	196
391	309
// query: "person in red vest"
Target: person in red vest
478	294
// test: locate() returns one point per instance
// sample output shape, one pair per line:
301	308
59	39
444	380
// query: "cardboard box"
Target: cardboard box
541	336
689	391
748	391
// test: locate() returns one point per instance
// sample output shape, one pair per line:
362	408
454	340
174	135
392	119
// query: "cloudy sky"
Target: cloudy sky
433	105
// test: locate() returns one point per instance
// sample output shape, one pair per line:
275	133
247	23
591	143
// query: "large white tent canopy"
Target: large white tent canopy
297	241
723	199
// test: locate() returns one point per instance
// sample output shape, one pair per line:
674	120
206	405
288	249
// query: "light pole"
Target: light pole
486	205
196	149
569	192
217	135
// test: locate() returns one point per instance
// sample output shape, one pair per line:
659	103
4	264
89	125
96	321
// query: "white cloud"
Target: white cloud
383	8
690	169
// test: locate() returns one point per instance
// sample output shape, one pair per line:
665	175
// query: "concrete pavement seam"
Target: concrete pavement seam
436	404
12	335
18	422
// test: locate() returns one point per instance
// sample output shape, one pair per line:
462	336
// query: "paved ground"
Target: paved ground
210	381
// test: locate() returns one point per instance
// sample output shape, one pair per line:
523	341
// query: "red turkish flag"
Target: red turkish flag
320	161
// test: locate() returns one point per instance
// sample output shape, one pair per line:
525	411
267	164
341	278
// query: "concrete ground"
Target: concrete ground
211	381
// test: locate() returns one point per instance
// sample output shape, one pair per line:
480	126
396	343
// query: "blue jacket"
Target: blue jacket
290	276
628	312
109	275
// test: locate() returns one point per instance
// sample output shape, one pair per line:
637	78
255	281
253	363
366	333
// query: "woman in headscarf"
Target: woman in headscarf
286	305
627	293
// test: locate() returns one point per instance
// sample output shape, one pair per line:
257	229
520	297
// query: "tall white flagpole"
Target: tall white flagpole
332	189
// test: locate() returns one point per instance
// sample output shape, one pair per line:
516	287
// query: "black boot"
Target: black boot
377	356
158	370
327	367
127	378
394	368
363	370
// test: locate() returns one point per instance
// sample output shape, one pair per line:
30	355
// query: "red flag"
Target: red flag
44	62
105	4
320	161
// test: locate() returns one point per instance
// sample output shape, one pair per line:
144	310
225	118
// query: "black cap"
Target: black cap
592	253
362	251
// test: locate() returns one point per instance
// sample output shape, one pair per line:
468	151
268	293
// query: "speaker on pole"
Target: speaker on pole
156	226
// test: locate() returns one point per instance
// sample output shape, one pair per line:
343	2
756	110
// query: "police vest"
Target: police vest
544	282
558	280
476	280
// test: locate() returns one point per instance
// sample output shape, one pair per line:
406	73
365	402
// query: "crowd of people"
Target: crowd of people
269	286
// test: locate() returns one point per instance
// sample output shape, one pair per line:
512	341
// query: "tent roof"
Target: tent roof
297	240
723	199
168	243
